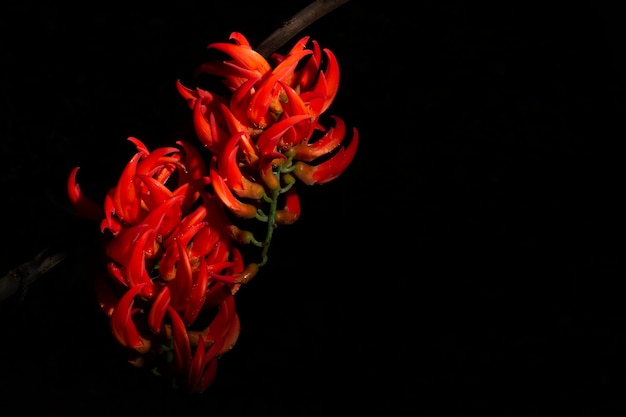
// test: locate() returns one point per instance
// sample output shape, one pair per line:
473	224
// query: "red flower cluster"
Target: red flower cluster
172	262
263	131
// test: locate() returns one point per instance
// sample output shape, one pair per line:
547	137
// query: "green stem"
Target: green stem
271	225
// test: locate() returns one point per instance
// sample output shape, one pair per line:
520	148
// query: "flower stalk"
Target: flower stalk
271	225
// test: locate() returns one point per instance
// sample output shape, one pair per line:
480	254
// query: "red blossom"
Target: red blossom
171	255
268	125
169	249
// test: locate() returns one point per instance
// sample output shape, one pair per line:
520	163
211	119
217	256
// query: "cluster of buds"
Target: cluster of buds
175	222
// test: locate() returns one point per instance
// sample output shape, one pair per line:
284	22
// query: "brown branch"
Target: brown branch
27	273
296	23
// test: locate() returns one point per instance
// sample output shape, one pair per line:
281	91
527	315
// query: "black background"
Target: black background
469	250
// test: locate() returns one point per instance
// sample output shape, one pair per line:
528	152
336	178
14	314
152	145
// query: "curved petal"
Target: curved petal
204	242
296	106
330	169
210	370
219	254
125	202
239	39
223	319
195	167
240	100
170	260
141	147
238	208
207	130
291	212
120	247
136	268
118	273
84	206
229	170
182	347
158	309
244	56
164	217
152	163
266	91
231	336
157	191
167	264
198	293
188	94
110	221
329	79
269	138
181	285
332	138
183	227
195	368
124	330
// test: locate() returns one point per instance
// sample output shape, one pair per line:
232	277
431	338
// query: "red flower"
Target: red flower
266	127
171	261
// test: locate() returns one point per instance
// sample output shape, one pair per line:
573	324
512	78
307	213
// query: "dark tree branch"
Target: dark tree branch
296	23
28	272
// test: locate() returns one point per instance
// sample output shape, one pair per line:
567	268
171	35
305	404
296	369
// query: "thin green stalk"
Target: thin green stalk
271	225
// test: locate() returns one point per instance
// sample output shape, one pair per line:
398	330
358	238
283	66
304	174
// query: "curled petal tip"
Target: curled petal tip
83	206
122	325
330	169
237	207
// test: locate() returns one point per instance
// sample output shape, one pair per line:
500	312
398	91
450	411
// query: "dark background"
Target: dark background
471	247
